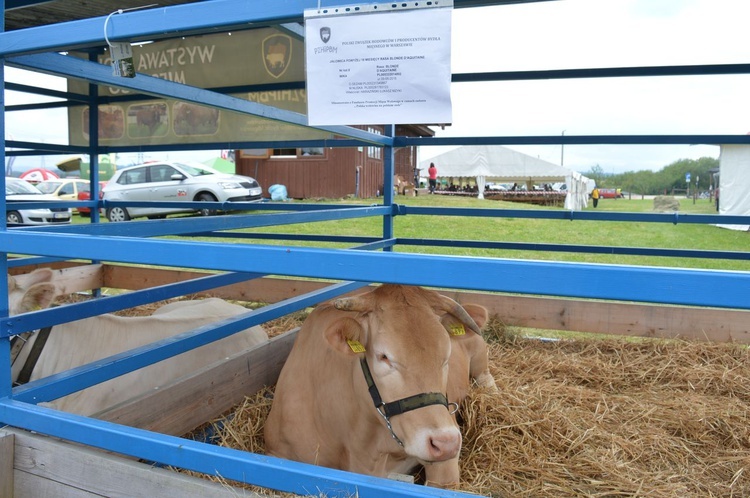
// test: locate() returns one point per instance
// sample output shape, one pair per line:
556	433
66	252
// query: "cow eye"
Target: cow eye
384	358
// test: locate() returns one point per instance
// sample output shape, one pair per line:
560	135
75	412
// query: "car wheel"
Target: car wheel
13	218
118	214
207	198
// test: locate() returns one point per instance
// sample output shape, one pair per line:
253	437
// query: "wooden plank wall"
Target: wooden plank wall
187	403
602	317
332	176
45	466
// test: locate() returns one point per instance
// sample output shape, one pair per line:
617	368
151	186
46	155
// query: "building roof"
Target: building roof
29	13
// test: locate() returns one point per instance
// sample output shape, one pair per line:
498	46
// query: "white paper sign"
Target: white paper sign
382	68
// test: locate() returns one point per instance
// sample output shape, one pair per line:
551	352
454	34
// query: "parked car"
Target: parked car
610	193
66	188
17	190
85	196
175	181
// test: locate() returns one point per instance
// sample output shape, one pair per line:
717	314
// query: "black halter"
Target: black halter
388	410
17	344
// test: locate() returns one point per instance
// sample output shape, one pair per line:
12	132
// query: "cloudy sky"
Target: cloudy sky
594	33
576	34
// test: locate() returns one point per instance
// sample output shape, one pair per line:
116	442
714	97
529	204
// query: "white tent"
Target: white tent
734	182
496	163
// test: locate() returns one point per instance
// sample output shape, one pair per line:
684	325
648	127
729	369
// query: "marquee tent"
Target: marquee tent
496	163
734	182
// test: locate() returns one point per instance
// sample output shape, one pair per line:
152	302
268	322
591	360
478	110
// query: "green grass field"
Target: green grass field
627	234
601	233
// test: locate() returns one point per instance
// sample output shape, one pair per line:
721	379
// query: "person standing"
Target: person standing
432	173
595	196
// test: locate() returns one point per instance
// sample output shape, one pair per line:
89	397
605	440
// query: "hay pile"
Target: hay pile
594	418
666	204
611	418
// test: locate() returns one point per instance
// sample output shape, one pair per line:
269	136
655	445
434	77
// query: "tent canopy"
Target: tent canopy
485	162
220	164
734	182
495	163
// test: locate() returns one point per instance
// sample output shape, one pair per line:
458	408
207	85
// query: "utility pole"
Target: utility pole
562	150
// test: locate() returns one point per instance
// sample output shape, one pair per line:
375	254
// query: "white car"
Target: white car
174	181
17	190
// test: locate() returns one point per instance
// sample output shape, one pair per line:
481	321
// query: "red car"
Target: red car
610	193
85	196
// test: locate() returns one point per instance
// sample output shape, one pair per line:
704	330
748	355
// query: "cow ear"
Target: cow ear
38	297
40	275
346	336
478	313
454	326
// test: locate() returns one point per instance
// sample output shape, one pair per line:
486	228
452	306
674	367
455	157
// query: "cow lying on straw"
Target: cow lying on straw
84	341
372	384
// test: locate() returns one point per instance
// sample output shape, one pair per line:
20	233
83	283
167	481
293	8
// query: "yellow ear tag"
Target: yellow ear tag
458	329
356	346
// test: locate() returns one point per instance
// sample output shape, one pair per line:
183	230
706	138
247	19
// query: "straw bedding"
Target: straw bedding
587	417
593	417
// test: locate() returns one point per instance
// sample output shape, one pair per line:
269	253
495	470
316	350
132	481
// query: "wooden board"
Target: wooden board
7	445
189	402
627	319
45	466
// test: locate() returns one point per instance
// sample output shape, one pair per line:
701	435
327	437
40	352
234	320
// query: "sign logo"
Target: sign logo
325	34
277	52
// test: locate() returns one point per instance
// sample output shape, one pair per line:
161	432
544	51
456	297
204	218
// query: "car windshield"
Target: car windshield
20	187
195	170
48	187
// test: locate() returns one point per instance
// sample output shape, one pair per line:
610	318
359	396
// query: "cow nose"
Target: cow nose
444	445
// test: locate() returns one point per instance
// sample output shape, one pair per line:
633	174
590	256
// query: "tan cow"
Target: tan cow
83	341
398	348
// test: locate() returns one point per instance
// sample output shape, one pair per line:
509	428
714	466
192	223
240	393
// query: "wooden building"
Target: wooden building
333	172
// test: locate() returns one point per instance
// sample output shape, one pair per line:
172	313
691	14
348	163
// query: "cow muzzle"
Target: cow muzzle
403	405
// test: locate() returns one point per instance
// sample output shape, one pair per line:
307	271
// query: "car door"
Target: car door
133	185
67	191
165	188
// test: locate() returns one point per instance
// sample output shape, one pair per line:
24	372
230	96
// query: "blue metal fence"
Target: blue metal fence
362	263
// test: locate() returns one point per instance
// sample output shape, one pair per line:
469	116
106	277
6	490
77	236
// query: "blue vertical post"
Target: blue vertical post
5	378
94	143
388	175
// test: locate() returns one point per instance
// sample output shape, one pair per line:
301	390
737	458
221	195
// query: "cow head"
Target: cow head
31	291
403	336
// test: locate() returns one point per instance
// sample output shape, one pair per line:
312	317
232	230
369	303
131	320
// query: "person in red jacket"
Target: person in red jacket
432	172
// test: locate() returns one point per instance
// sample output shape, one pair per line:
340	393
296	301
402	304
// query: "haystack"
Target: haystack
666	204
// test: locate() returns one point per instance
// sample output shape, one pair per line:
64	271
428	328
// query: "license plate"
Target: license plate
58	216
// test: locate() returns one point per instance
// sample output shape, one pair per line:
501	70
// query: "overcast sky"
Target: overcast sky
571	34
594	33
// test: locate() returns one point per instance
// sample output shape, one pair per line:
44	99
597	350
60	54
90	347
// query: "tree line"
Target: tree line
670	178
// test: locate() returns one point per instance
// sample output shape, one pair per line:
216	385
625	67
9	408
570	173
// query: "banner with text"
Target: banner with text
253	57
379	68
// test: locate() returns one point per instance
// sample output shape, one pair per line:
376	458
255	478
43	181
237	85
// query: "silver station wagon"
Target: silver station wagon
21	191
174	181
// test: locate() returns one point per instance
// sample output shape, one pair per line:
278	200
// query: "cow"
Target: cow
372	383
276	56
192	117
150	116
83	341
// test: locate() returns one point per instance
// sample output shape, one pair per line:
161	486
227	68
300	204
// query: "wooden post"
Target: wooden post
7	451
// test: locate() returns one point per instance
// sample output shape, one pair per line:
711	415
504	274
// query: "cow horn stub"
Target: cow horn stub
351	304
450	306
